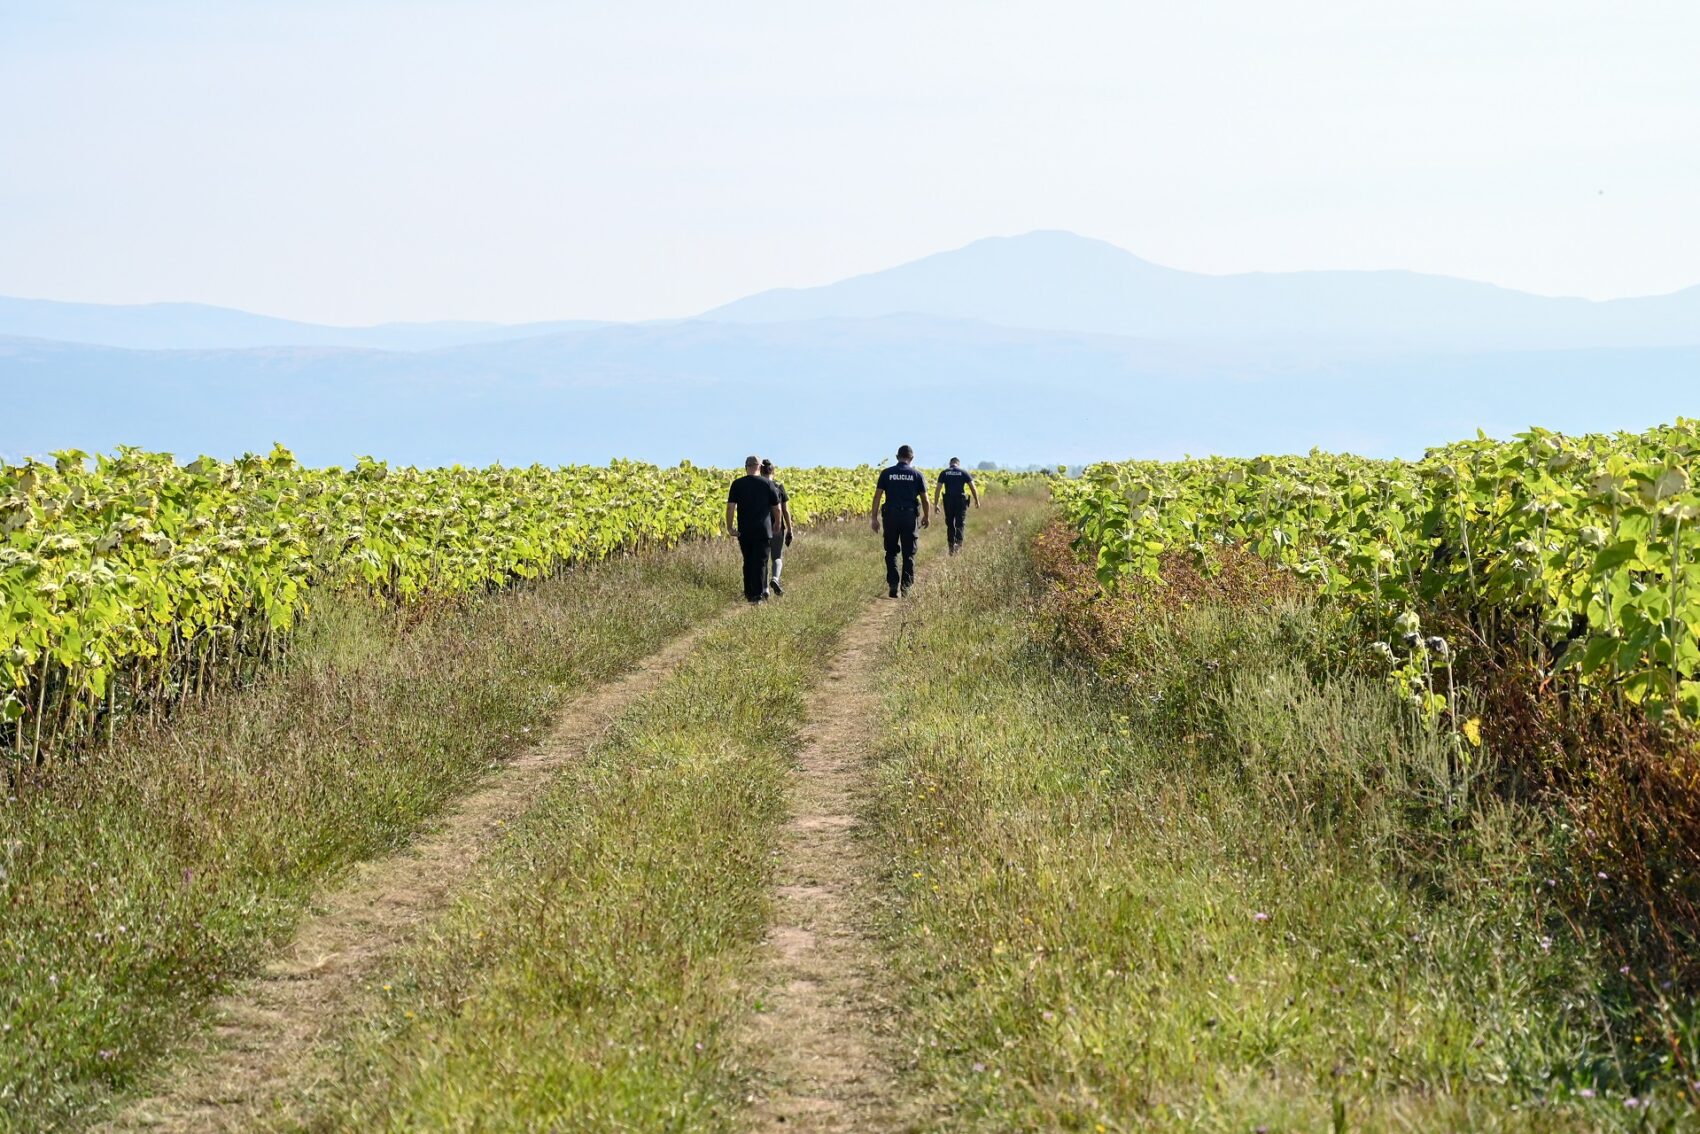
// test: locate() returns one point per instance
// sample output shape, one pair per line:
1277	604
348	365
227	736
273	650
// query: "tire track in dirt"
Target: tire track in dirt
258	1048
819	1037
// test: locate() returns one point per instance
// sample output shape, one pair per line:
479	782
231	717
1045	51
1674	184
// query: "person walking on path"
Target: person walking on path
752	515
905	512
781	533
955	484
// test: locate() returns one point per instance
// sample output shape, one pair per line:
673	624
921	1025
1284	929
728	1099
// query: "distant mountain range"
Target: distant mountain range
198	326
1042	347
1063	282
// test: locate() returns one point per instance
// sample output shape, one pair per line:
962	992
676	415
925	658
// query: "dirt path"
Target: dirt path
820	1034
257	1051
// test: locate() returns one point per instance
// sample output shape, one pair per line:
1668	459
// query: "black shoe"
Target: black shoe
777	589
894	592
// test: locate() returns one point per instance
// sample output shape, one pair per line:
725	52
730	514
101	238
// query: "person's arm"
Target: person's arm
874	511
926	509
785	509
975	490
778	517
938	492
731	528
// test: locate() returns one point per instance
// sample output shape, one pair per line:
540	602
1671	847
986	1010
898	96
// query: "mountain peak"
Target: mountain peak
1059	238
1049	247
1017	281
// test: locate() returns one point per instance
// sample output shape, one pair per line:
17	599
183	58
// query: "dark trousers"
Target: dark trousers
900	532
955	515
754	545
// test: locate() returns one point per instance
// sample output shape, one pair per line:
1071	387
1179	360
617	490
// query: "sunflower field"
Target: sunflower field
1579	554
128	581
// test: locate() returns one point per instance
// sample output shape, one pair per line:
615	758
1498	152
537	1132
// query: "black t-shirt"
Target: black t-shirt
755	498
904	488
784	497
955	482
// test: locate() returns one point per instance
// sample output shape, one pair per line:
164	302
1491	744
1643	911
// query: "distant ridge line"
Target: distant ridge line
1043	280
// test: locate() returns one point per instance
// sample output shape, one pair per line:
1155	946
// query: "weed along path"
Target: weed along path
264	1032
823	998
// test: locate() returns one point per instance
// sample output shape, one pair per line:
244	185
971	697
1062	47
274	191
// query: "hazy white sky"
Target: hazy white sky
364	160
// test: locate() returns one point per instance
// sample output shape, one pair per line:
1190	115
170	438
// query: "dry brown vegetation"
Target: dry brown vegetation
1630	788
1106	626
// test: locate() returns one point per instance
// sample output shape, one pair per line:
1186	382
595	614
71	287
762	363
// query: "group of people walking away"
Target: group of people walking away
758	515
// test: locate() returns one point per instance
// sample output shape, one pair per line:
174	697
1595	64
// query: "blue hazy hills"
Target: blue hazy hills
1062	282
1038	348
200	326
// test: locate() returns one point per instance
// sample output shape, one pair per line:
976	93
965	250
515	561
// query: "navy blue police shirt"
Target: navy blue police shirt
755	498
904	489
955	483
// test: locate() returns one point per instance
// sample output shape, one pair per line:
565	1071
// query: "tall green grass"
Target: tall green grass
1231	891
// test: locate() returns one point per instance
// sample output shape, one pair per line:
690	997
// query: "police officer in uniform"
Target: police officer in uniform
752	515
955	483
905	512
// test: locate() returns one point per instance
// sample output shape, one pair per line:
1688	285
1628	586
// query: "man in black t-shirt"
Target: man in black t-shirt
955	483
904	514
752	514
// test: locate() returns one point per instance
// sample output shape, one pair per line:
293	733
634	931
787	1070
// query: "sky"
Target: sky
361	161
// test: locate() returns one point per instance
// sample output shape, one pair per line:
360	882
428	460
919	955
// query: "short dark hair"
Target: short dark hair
752	462
904	452
766	465
954	461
